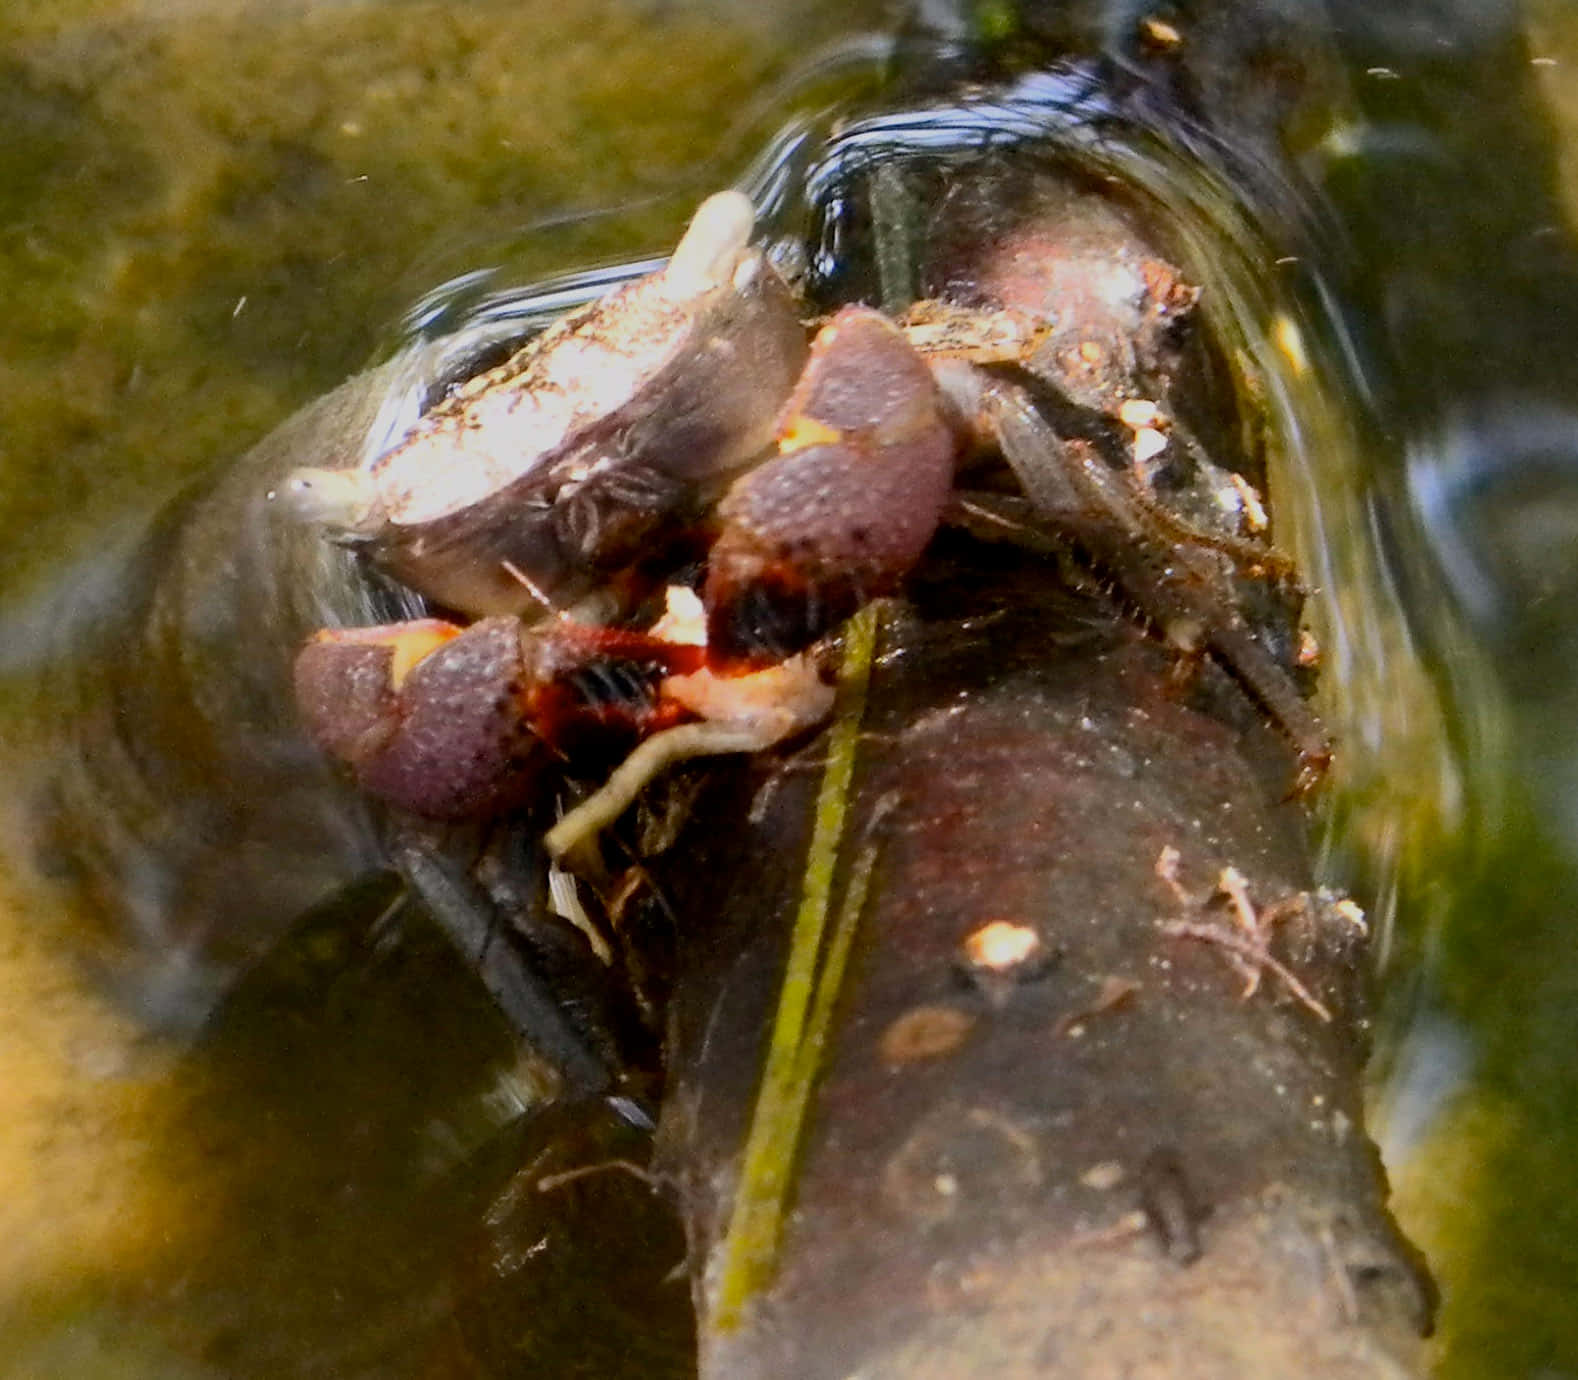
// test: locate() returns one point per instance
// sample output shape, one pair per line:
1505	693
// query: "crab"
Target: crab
685	425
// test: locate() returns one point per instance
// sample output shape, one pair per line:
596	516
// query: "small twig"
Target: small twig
1130	1225
526	582
1250	951
1114	992
564	897
1246	943
1167	867
656	754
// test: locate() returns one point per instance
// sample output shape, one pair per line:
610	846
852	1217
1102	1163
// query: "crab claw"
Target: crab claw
426	715
528	485
454	724
842	513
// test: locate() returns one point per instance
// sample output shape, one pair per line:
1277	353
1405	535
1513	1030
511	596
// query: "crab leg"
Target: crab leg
838	517
1072	488
657	754
451	723
477	928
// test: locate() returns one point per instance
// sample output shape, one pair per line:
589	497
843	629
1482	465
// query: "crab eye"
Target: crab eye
708	252
328	498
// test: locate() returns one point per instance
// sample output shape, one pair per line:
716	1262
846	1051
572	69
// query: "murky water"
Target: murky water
207	218
1467	276
212	213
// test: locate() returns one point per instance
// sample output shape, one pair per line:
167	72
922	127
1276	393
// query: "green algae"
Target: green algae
1487	952
1486	1189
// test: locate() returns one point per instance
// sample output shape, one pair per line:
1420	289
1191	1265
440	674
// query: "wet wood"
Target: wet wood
1113	1163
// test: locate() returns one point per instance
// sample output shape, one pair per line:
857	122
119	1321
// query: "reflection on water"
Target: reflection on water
287	1197
310	1163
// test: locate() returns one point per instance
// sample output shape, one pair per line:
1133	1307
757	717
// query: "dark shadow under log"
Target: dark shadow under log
1116	1164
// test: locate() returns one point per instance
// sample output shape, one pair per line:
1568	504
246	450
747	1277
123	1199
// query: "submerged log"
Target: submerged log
1055	1131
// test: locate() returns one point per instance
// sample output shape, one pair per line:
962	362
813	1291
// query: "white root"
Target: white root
656	755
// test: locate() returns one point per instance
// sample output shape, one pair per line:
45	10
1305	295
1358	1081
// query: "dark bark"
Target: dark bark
978	1151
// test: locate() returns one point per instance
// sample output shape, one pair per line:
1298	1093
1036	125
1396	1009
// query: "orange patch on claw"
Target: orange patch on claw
408	643
801	431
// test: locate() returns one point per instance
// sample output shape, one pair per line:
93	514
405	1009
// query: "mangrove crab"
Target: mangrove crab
623	451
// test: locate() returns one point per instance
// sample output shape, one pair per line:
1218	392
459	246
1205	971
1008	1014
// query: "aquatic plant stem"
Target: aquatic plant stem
750	1245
